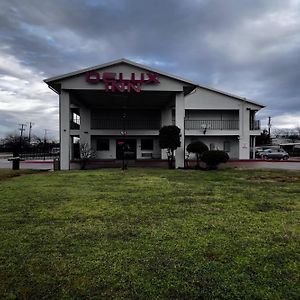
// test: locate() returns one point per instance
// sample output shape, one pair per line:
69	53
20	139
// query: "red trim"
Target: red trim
262	160
161	160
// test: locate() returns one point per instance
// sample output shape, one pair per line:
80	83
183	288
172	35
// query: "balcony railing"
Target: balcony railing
212	124
148	124
155	124
255	125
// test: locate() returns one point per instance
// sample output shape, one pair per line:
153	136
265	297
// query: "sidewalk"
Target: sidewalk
245	164
262	164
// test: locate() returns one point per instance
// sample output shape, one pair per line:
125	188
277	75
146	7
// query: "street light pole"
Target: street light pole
123	133
21	137
45	140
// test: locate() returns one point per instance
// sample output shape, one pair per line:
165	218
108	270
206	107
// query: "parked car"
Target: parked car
258	152
274	154
55	151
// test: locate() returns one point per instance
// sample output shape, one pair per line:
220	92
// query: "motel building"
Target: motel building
124	103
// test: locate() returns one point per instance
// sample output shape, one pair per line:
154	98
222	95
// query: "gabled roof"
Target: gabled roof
231	95
50	81
116	62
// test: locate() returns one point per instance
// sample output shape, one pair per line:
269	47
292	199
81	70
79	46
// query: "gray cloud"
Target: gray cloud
250	48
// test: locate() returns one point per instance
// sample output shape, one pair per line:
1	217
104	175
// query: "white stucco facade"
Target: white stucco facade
124	102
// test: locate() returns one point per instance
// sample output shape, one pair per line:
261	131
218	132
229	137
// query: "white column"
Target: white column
64	117
244	138
254	147
85	126
179	121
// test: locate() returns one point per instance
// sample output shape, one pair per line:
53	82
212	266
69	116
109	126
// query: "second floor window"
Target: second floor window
75	121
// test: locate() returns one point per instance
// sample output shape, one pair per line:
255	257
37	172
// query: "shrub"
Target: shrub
213	158
198	148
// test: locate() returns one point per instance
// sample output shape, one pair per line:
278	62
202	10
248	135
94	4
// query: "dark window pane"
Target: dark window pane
103	145
146	144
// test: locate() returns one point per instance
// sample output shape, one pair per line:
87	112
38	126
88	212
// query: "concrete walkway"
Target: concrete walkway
282	165
36	165
244	164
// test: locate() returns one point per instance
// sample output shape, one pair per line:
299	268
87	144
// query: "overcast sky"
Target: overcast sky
249	48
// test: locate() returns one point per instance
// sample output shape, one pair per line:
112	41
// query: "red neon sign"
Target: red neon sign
114	83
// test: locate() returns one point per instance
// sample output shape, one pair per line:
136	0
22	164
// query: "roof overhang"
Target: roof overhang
188	86
55	82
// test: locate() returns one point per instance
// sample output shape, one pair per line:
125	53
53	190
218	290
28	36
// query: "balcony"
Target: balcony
212	124
128	124
255	125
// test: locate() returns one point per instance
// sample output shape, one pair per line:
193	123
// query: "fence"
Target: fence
150	124
39	156
212	124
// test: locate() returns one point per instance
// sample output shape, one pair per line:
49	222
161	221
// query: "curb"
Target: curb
37	161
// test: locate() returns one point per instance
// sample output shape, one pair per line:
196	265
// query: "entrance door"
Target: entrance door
128	146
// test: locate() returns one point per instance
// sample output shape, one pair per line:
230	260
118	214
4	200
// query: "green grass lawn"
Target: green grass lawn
150	234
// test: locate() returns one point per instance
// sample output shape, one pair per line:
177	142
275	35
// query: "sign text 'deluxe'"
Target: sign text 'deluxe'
115	82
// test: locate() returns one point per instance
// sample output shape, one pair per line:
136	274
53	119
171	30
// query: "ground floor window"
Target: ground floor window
226	146
146	144
102	144
76	147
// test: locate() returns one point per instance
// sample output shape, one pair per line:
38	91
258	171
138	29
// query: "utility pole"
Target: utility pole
21	128
45	139
45	134
269	127
123	132
29	133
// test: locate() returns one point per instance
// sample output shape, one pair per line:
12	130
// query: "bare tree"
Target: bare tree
86	154
15	143
298	131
